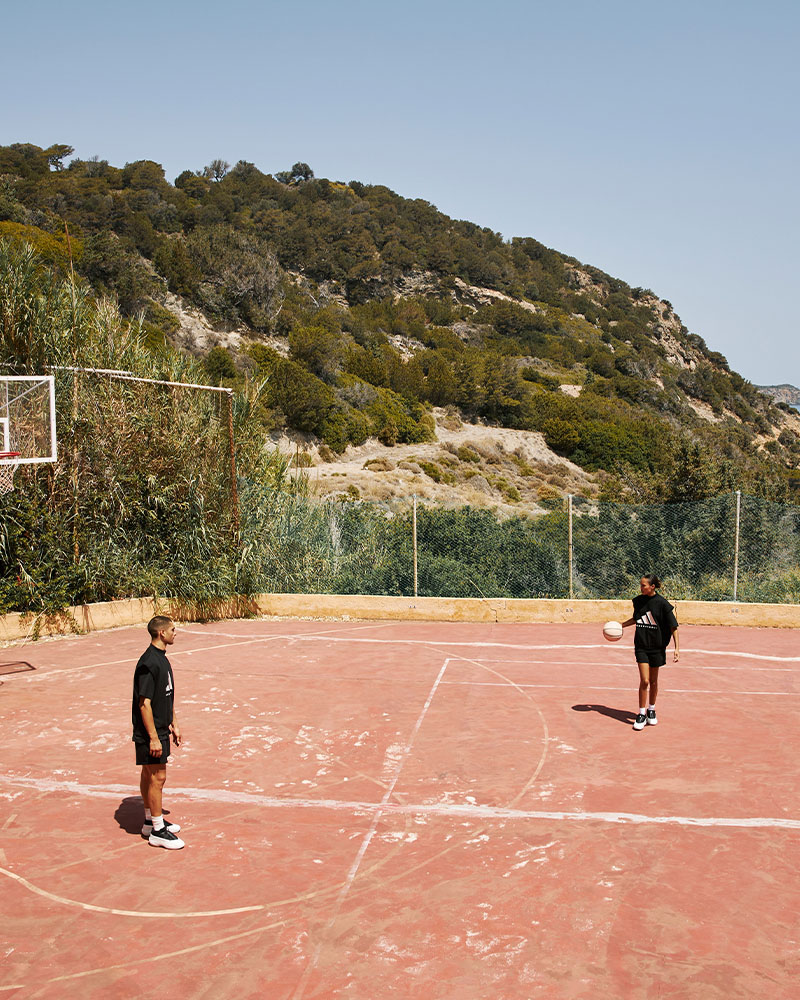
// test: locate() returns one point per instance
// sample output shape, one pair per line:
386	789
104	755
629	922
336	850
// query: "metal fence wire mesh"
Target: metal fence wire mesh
730	547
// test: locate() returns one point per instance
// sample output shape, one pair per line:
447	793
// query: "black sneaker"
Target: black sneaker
651	717
147	829
164	838
641	720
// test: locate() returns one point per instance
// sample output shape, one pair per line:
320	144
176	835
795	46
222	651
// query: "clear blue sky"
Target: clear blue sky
657	141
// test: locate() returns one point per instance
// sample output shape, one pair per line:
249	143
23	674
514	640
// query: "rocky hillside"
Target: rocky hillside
782	393
394	344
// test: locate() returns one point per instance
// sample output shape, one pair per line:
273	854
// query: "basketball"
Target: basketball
612	631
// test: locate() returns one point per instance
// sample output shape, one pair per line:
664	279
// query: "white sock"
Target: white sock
651	708
641	711
158	822
147	815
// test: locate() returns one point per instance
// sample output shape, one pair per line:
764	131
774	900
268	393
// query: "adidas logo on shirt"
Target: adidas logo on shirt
646	621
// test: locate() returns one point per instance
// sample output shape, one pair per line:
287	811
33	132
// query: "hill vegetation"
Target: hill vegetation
342	313
364	309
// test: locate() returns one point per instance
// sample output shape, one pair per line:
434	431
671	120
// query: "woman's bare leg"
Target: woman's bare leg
644	684
653	685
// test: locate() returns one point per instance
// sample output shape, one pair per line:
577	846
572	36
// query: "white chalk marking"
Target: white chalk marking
606	663
122	913
445	809
62	671
321	632
156	958
561	645
348	882
249	641
597	687
327	637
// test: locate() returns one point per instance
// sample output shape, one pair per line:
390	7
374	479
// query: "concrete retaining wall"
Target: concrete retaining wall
113	614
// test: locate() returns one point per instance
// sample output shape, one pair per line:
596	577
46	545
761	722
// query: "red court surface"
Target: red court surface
437	811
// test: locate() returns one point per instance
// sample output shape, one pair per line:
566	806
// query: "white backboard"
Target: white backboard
28	418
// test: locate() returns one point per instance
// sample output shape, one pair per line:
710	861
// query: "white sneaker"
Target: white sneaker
651	717
147	829
641	720
163	838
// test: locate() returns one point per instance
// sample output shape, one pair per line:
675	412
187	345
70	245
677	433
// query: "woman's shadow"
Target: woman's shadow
620	714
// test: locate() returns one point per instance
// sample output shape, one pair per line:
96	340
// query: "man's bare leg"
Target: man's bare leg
151	785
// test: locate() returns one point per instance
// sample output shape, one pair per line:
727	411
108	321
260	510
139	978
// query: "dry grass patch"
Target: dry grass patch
379	465
451	419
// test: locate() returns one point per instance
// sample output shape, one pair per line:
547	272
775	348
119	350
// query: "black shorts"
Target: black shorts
143	755
655	657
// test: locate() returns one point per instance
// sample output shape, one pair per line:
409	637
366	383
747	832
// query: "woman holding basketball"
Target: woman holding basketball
655	621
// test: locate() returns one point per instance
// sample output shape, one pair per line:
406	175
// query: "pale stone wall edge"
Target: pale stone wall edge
115	614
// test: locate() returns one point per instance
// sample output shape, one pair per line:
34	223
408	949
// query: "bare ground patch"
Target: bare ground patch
507	470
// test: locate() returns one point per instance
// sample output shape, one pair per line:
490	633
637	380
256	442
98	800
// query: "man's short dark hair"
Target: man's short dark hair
158	624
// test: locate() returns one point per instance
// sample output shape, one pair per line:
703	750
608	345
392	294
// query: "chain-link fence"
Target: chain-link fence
730	547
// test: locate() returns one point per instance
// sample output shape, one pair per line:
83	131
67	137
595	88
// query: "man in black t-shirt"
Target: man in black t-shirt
153	717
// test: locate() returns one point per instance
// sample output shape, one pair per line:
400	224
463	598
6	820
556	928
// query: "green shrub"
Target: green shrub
162	318
467	454
219	365
435	472
560	436
388	433
307	402
343	426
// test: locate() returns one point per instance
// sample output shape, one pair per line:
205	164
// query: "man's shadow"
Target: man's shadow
620	714
130	815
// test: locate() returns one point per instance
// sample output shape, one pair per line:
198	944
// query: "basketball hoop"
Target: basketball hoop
27	424
7	469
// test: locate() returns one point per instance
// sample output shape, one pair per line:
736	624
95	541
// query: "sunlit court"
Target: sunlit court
372	810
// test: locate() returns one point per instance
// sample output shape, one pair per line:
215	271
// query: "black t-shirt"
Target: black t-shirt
655	620
153	679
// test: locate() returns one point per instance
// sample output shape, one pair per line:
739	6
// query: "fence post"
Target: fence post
414	530
736	546
569	508
232	460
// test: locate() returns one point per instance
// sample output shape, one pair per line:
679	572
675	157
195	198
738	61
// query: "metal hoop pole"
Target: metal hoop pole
232	451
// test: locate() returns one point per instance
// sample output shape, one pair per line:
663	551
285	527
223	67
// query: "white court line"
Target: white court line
66	671
28	678
628	660
116	912
511	645
597	687
58	672
444	809
549	645
348	882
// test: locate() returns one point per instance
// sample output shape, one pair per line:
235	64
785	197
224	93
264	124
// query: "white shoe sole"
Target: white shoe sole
652	722
170	845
